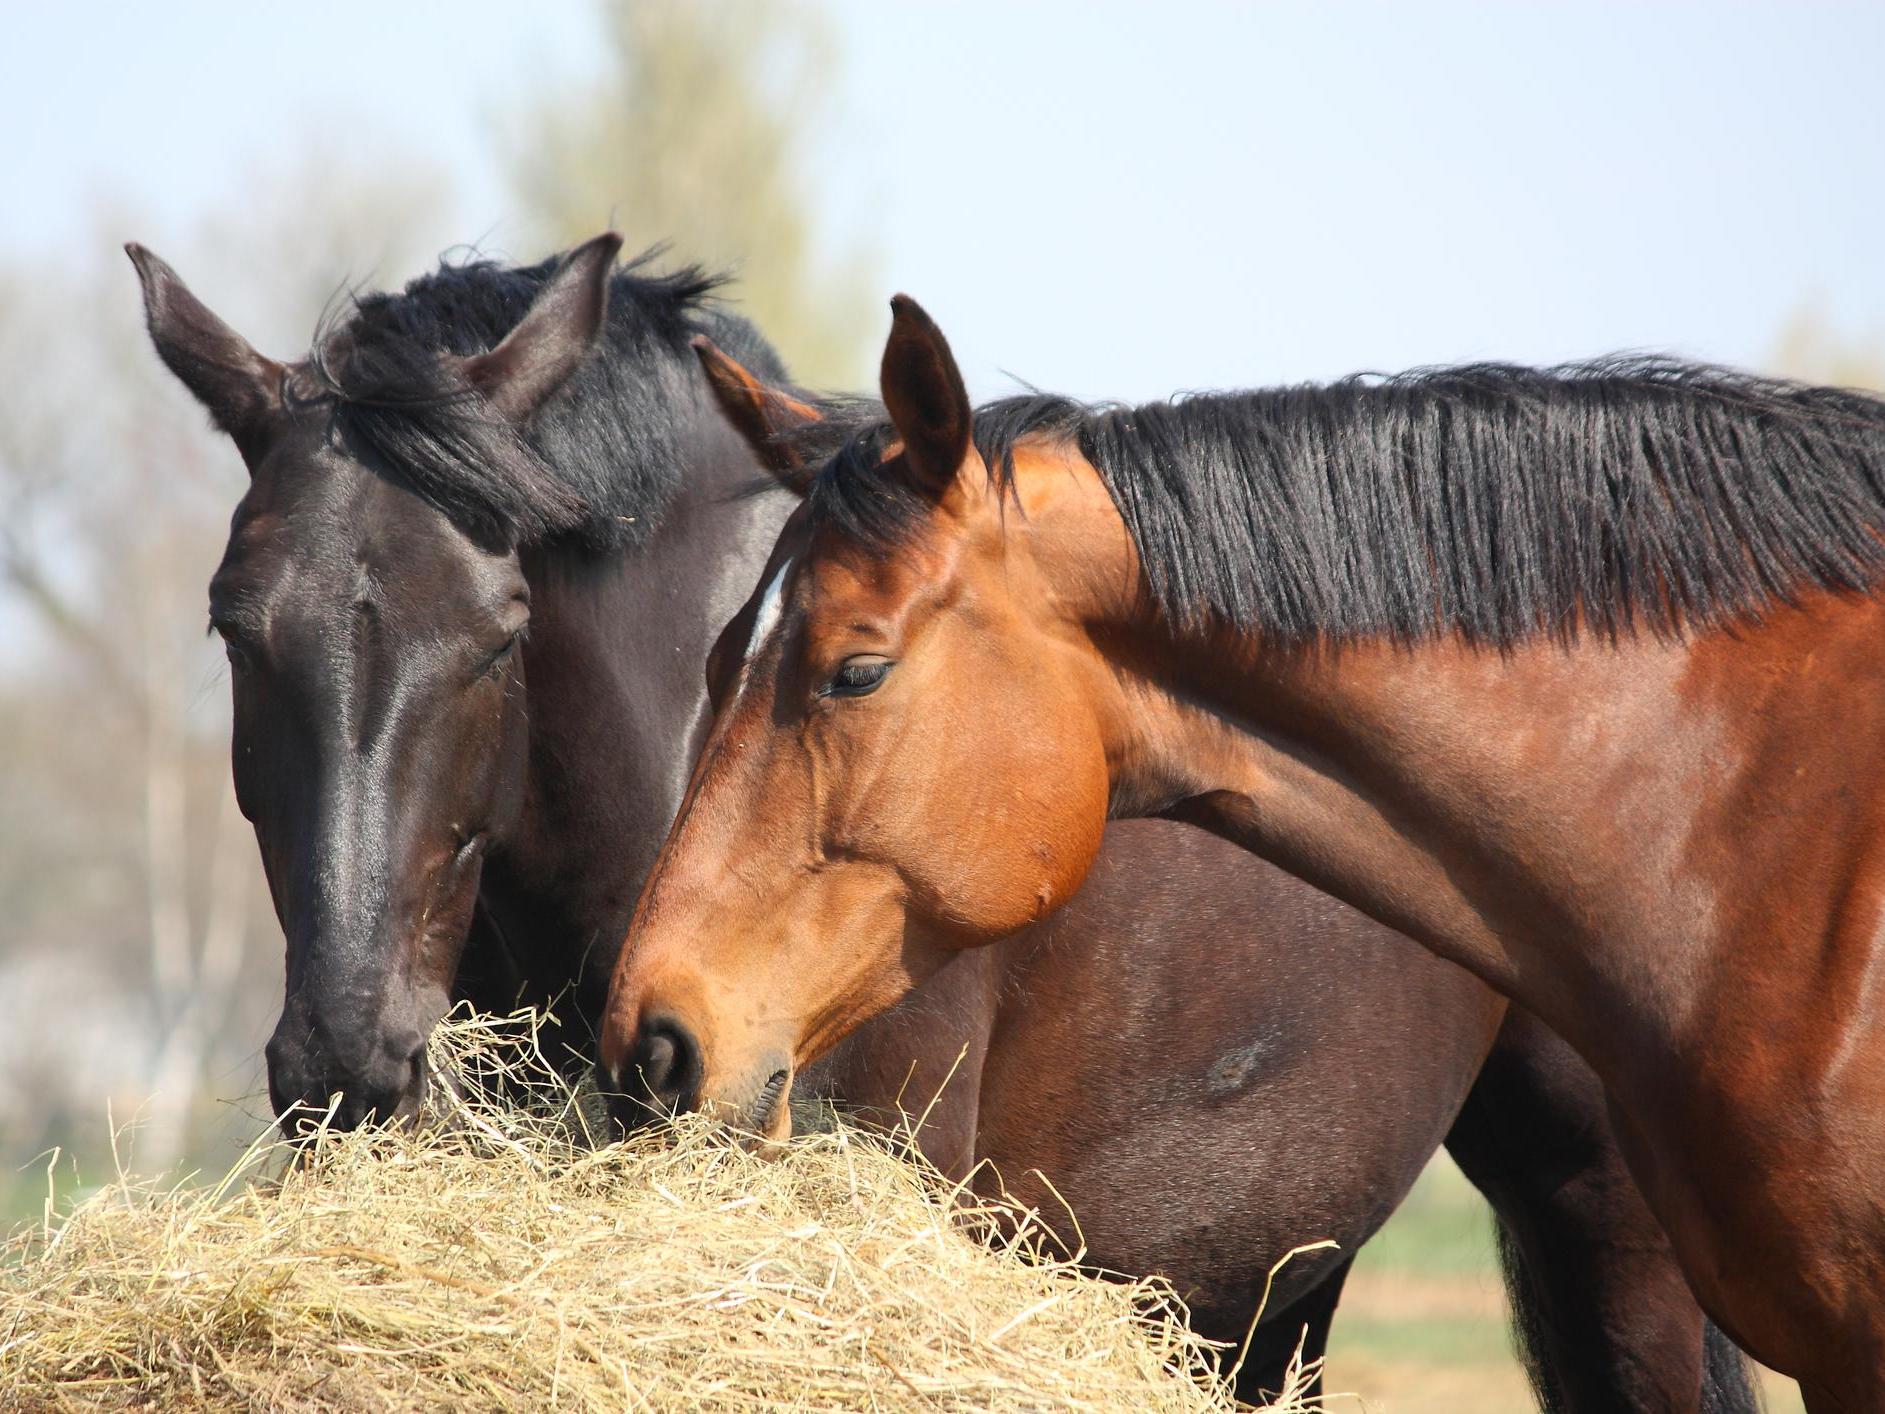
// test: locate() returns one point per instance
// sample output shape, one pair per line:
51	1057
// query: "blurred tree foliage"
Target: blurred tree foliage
1811	347
140	964
698	137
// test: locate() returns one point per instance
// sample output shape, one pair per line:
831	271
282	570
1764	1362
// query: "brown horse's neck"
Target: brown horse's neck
1610	833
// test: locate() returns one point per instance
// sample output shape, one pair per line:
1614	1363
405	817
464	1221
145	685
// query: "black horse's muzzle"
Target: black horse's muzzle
311	1083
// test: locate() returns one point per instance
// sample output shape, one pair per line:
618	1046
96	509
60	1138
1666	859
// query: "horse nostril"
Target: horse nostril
664	1069
416	1077
657	1061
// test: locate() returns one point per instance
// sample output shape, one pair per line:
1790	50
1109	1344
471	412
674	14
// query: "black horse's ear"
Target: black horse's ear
765	416
555	335
241	389
923	391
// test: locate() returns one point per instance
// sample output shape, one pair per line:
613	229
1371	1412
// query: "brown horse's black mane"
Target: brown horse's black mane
1627	494
599	460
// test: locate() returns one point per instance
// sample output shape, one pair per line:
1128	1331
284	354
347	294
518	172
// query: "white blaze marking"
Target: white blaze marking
771	607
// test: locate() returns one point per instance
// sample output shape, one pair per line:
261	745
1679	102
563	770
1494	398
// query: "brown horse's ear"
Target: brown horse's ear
555	335
923	391
240	388
765	416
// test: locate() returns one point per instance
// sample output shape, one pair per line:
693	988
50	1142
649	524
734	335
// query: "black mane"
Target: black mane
1626	494
600	459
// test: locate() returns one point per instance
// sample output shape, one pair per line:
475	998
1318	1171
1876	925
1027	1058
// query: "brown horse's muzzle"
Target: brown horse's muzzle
663	1071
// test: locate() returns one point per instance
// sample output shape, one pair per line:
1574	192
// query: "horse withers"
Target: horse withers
1569	675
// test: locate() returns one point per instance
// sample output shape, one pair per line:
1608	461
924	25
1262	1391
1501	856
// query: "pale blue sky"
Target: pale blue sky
1110	199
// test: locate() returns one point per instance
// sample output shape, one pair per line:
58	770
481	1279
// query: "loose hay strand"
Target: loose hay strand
496	1259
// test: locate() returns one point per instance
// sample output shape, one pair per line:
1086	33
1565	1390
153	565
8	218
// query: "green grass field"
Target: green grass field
1422	1327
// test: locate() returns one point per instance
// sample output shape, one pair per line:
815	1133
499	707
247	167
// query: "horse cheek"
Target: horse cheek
1075	843
1061	832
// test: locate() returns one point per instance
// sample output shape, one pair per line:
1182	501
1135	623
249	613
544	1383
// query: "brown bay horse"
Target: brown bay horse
1572	676
493	526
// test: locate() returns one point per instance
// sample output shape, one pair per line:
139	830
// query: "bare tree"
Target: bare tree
1810	347
698	136
114	498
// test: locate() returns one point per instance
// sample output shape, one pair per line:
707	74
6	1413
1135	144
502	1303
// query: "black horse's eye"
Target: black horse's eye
497	662
859	676
233	649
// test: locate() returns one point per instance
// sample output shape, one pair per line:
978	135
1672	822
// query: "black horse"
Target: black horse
493	527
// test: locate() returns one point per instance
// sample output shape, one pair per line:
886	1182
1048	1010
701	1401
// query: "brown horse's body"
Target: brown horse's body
1664	840
1688	887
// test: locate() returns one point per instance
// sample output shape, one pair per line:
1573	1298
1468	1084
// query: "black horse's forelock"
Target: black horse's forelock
1629	494
601	458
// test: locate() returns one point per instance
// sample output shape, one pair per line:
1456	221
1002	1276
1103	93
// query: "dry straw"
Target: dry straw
501	1261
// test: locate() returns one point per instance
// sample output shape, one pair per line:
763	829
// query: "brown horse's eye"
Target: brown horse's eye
859	676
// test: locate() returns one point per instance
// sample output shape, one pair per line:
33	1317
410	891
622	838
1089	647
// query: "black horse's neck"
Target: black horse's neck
616	702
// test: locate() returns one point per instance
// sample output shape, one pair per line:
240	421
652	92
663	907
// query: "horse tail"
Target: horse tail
1528	1323
1727	1382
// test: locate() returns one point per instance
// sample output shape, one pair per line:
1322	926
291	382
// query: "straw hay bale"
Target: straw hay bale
499	1260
